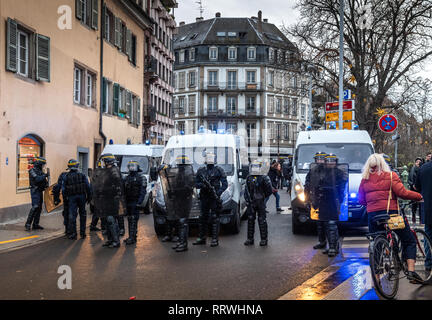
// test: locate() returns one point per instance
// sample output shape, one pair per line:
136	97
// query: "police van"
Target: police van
148	156
352	147
231	155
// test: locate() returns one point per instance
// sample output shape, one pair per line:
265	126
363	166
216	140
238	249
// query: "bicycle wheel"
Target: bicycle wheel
424	255
384	268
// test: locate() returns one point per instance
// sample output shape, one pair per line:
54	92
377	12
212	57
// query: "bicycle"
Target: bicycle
385	256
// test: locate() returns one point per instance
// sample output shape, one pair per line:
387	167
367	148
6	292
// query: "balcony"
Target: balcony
150	70
232	86
149	115
230	114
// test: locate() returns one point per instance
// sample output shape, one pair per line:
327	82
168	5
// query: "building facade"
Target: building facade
241	75
71	80
158	121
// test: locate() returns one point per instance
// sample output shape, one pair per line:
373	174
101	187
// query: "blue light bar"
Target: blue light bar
201	129
221	131
353	195
182	133
147	142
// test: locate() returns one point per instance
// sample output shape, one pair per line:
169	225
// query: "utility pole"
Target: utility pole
201	9
341	57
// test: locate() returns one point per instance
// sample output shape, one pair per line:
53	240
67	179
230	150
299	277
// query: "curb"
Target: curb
53	236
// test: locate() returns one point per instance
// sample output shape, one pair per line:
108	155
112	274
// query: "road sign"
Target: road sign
334	106
334	116
347	94
388	123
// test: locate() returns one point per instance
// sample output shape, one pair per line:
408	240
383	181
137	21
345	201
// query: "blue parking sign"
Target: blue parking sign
347	94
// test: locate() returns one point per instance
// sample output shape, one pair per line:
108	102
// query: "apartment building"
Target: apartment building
71	80
241	75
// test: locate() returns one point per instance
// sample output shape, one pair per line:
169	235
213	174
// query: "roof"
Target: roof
333	136
134	150
205	32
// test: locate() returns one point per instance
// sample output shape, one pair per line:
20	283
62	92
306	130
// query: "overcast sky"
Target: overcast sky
276	11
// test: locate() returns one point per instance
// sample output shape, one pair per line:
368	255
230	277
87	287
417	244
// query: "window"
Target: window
212	104
88	11
278	105
107	26
77	85
192	79
286	105
271	54
192	54
294	82
251	77
278	80
213	78
251	53
286	131
303	111
271	78
89	90
191	101
294	107
251	130
107	97
213	126
182	76
232	79
181	126
231	128
232	34
181	105
232	53
182	56
231	105
250	104
270	105
23	53
221	34
213	53
29	147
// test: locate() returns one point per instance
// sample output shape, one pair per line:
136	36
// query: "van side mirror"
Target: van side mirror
244	172
153	174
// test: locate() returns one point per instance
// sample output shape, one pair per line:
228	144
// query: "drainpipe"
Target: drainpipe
101	72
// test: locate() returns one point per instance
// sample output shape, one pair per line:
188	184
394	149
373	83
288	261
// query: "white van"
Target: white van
350	146
231	155
147	156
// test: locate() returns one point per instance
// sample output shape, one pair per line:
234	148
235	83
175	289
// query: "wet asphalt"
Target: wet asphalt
152	270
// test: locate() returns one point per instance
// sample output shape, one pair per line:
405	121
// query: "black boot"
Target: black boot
121	225
132	230
183	236
320	245
262	222
29	219
250	233
333	238
113	233
215	232
202	232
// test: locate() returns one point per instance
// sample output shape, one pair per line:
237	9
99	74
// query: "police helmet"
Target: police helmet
39	161
331	158
73	164
320	155
108	158
387	159
133	166
183	159
210	158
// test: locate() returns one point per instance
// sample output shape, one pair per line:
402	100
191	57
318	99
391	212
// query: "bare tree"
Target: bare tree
386	42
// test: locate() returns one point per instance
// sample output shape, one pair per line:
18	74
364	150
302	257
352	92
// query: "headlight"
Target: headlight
301	196
159	196
227	194
297	187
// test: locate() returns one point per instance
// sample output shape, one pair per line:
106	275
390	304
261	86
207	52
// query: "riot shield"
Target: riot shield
329	191
49	199
177	186
108	194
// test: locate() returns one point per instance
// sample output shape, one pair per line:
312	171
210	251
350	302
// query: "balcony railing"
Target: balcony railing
235	86
150	69
149	115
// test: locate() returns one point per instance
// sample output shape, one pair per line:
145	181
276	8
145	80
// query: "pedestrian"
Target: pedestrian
287	172
57	189
258	188
274	174
379	191
429	157
411	182
423	185
135	184
317	171
95	218
38	183
212	182
77	190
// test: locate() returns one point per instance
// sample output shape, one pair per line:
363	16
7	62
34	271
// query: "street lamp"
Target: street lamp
311	69
278	140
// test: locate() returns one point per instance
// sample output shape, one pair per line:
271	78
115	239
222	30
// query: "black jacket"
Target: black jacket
217	178
413	175
274	177
423	184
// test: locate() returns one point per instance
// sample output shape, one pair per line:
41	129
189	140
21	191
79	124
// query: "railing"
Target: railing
149	114
245	86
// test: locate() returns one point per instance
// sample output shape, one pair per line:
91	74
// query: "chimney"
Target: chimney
199	19
265	20
182	23
260	21
218	14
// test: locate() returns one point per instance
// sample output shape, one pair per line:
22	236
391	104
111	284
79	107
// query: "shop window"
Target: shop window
28	147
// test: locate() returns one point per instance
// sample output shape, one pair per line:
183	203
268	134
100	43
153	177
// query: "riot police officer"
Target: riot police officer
56	192
258	188
212	182
319	159
135	190
77	190
38	183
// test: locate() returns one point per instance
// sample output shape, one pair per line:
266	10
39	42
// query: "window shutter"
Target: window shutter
117	32
129	44
78	8
95	14
42	58
129	100
12	44
116	98
138	117
104	96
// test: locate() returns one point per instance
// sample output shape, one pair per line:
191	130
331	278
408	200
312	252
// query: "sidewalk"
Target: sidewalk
13	235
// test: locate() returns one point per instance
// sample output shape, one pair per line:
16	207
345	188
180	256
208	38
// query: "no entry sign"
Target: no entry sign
388	123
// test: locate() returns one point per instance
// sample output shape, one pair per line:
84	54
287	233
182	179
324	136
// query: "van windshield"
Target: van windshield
355	154
142	160
224	157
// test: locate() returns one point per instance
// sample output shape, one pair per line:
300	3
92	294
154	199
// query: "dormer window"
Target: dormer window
271	55
232	53
213	53
192	54
182	56
251	53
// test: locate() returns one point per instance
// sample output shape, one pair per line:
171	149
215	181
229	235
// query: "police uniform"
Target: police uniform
77	190
135	190
258	188
56	192
38	183
212	182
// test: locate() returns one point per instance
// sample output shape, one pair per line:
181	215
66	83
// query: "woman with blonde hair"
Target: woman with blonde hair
374	191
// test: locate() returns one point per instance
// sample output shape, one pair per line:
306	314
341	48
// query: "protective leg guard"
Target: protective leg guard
132	222
262	223
30	219
250	232
322	242
113	231
215	231
333	238
203	224
183	236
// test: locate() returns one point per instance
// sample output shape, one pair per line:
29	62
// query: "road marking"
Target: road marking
355	247
16	240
